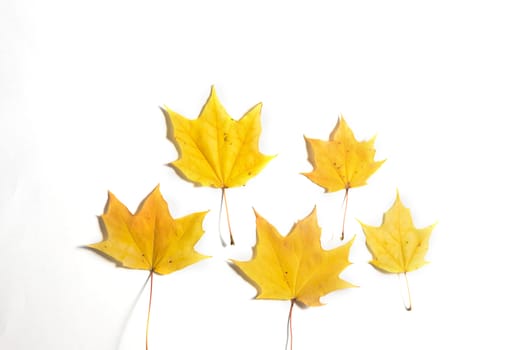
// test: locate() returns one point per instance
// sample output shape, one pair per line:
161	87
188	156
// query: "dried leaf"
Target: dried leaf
216	150
151	239
294	267
397	246
341	162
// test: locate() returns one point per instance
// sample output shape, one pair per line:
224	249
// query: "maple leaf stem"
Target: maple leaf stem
223	200
408	306
289	335
149	305
344	213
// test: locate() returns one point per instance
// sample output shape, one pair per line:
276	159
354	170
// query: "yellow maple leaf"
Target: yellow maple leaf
151	239
294	267
341	162
397	246
216	150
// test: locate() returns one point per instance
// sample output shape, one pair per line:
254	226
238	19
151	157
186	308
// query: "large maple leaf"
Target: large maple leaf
215	149
295	267
151	239
397	246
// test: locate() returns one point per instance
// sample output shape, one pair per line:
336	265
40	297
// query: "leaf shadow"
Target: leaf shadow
245	277
309	152
133	305
170	132
287	331
104	231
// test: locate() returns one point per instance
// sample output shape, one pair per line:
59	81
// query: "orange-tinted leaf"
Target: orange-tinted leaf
341	162
151	239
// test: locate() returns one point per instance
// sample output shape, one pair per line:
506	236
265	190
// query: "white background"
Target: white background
441	84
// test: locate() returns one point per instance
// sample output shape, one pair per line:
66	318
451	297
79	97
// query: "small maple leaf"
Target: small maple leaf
151	239
294	267
397	246
341	162
216	150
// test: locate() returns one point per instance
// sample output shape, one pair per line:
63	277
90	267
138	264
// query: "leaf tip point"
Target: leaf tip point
213	91
398	197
